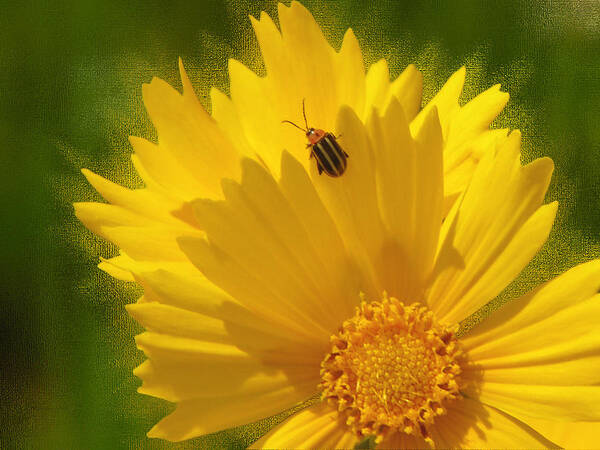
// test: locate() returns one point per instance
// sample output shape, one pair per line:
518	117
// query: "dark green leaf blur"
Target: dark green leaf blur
70	95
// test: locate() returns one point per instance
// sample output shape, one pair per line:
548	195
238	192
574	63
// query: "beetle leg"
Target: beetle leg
320	168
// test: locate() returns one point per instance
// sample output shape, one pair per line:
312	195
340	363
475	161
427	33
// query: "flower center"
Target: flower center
391	368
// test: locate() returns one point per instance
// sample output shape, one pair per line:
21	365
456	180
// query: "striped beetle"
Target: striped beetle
324	147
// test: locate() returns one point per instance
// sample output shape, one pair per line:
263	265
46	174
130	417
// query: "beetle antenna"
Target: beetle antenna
292	123
304	114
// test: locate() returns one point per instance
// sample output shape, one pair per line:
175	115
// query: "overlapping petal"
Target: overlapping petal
143	202
468	424
134	219
209	353
194	151
262	253
185	368
492	233
194	418
361	227
317	426
190	136
471	424
569	435
300	64
539	355
406	89
408	178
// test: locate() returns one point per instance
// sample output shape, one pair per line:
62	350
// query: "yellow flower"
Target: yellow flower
266	283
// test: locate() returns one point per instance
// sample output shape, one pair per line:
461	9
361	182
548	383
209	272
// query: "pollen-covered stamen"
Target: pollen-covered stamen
391	369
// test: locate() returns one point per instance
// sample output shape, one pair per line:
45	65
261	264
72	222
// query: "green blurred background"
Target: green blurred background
70	95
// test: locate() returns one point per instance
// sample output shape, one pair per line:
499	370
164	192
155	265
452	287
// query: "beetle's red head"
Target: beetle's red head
314	135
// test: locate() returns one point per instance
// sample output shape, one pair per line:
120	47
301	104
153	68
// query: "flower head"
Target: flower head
391	368
267	283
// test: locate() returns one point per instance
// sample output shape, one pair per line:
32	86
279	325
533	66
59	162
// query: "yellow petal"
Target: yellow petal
360	227
142	222
473	119
139	201
282	92
260	252
174	348
458	172
301	66
469	138
465	130
304	40
155	243
150	183
493	232
198	295
409	188
184	368
257	110
108	266
569	435
350	73
226	273
203	344
430	193
407	441
262	103
240	329
144	233
538	401
182	287
165	170
167	319
572	288
339	275
182	381
96	215
272	49
407	90
377	86
190	134
395	157
525	362
478	113
471	424
194	418
226	115
317	426
445	101
123	262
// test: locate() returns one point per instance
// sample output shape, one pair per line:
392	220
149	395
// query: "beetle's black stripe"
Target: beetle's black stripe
335	153
333	141
331	156
320	152
339	151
